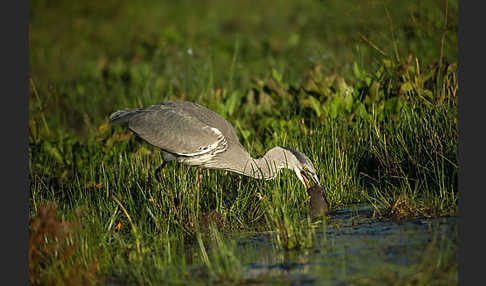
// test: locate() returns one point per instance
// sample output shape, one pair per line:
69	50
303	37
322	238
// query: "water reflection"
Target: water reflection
354	244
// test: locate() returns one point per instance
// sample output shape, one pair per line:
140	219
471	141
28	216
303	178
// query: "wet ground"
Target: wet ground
355	245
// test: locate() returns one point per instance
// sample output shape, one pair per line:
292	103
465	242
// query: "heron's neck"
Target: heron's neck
269	165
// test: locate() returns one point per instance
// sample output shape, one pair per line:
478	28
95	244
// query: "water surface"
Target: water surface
355	245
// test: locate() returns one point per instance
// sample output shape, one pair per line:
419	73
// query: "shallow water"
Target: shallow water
355	245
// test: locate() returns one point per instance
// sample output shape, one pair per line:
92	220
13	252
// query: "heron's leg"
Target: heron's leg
158	172
199	175
199	183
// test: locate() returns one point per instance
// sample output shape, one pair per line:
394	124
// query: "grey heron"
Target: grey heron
192	134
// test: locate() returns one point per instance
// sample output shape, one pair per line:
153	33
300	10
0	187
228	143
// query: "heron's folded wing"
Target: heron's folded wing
176	132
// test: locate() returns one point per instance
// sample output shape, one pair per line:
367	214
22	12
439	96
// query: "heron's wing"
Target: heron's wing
176	132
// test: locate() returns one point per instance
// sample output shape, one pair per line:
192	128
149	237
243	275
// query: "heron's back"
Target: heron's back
181	127
205	115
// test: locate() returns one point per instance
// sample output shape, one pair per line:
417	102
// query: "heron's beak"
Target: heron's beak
307	177
315	179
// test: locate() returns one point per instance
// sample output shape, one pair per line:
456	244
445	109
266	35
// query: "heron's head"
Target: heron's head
303	168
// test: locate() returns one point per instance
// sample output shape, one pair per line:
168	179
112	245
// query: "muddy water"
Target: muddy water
352	246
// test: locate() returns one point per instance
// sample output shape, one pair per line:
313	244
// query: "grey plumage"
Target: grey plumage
195	135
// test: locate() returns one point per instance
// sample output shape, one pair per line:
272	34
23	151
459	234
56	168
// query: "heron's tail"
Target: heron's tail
123	116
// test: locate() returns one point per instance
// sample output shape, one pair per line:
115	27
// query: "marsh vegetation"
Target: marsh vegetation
368	91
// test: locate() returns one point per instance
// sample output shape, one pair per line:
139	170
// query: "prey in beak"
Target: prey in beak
318	202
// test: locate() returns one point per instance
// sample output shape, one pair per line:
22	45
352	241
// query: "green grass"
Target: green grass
366	89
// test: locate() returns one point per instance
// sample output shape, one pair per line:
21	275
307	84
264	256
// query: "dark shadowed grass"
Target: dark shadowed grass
88	59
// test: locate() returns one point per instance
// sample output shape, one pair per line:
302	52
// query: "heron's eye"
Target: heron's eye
306	169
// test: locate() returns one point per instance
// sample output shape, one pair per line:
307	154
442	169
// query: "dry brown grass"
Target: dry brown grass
52	250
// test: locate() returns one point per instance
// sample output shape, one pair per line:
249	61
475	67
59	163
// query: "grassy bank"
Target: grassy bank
368	91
